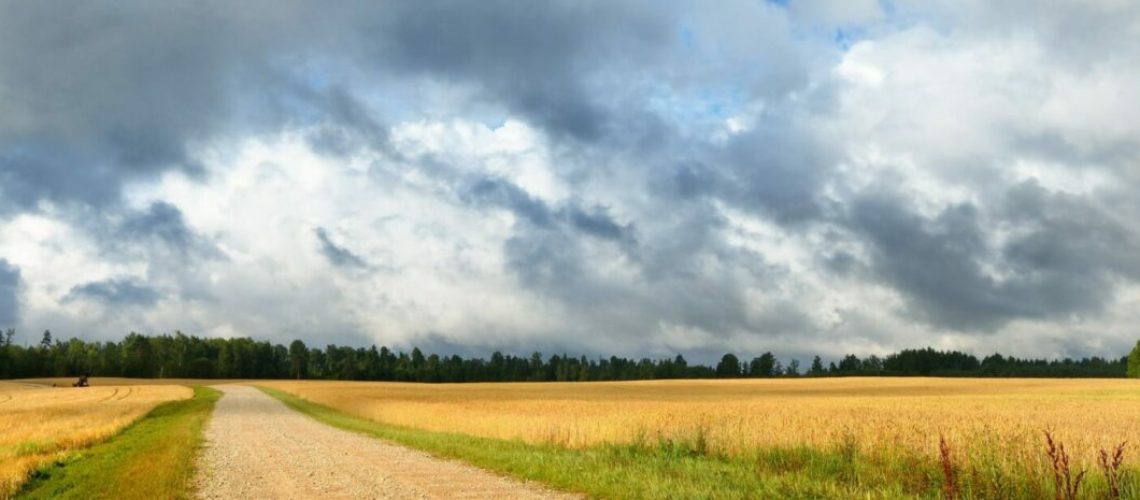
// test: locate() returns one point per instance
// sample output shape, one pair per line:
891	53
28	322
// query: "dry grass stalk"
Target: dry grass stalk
1110	464
949	477
1065	485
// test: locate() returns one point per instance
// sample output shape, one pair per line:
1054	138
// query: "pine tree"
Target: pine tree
816	366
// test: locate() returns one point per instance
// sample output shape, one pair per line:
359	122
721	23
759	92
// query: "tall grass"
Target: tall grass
738	416
1113	470
684	464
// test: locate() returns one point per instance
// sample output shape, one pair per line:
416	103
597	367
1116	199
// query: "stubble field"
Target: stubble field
40	425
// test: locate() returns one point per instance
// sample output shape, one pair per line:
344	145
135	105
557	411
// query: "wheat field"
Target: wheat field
1000	421
39	425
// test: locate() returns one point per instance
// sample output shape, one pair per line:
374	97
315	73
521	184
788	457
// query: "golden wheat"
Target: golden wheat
39	425
981	417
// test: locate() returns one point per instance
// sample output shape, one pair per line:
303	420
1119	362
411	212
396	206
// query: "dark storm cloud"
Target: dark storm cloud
1066	257
595	222
598	223
115	93
9	294
161	220
686	180
1070	248
546	251
348	124
535	58
29	173
162	223
778	169
629	99
547	260
108	95
336	254
116	292
498	192
935	264
549	255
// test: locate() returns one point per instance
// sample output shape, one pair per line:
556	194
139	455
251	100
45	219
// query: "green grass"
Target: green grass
672	469
153	458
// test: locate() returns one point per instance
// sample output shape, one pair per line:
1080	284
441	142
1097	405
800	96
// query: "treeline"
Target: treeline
183	356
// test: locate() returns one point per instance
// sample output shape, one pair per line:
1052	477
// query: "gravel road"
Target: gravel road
256	447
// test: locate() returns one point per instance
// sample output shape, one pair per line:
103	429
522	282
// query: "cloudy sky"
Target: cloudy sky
636	178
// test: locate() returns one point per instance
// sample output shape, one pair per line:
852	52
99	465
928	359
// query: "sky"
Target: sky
611	177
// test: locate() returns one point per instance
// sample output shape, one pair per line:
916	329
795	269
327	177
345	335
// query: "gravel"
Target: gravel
256	447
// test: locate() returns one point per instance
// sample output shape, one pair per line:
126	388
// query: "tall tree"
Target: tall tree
138	356
298	360
1134	361
729	366
816	366
793	369
763	366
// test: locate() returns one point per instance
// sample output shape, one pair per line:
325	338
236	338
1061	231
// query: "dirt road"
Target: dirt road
259	448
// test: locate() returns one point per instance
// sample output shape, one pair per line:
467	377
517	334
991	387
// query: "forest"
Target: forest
187	356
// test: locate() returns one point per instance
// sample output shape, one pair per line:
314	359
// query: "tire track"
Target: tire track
126	394
113	393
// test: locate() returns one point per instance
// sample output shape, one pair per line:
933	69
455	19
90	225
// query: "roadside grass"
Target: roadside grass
153	458
690	467
658	469
42	425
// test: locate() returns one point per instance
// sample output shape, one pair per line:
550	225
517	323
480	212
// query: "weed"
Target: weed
949	475
1110	464
1065	484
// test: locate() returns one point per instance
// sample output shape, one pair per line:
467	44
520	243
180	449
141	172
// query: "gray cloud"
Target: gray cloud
498	192
111	102
116	292
336	254
162	221
536	60
701	156
161	231
1066	258
778	170
935	263
9	294
595	222
348	123
107	100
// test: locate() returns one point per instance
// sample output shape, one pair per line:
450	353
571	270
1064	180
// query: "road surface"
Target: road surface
256	447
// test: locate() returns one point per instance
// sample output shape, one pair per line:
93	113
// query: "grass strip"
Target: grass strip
663	470
153	458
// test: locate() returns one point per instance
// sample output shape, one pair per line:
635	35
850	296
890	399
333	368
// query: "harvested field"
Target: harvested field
116	381
39	425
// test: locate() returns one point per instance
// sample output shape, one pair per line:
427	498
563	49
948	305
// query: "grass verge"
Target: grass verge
674	469
153	458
